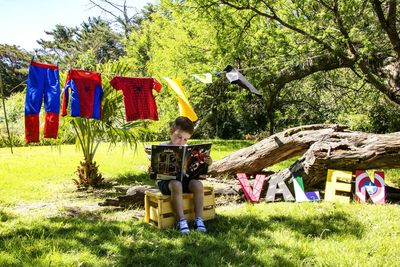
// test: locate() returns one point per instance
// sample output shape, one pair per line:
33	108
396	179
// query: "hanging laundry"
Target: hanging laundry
235	77
138	96
204	78
43	83
86	94
185	109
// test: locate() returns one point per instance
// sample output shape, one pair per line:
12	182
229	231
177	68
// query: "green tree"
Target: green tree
177	41
69	44
14	63
63	42
326	35
295	52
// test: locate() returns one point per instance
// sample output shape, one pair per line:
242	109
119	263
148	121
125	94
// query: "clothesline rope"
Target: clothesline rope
116	74
109	75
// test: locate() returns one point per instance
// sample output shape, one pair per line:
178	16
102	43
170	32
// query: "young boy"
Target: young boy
180	132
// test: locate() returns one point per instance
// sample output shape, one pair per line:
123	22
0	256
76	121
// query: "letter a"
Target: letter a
278	186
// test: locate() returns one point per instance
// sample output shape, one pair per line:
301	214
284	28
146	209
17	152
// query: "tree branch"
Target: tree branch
377	83
311	65
275	17
343	29
103	9
389	24
245	27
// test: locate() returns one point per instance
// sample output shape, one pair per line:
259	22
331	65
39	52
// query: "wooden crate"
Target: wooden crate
158	208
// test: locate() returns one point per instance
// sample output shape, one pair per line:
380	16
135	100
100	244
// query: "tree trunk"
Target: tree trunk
323	147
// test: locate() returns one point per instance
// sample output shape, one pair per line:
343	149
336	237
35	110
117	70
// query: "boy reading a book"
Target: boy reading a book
180	132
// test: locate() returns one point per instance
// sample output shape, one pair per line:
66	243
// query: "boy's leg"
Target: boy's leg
177	204
176	198
196	187
174	189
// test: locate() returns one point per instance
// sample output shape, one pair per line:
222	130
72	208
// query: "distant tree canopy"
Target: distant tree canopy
14	62
93	42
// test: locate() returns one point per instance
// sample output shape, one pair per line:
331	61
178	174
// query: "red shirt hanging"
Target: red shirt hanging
86	94
138	96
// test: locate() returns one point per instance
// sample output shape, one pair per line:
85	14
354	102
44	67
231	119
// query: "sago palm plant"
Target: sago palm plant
111	128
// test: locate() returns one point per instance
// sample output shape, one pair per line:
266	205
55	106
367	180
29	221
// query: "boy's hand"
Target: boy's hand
208	160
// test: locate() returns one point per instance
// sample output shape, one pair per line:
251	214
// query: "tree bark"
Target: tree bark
323	147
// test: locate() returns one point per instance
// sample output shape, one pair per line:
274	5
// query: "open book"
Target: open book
169	162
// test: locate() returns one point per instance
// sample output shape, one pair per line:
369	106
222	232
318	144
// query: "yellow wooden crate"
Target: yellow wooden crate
158	208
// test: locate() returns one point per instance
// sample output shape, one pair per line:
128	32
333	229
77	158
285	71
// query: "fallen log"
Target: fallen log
274	149
323	147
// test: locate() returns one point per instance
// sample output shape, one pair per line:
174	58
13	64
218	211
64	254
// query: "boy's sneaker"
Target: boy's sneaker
199	225
183	226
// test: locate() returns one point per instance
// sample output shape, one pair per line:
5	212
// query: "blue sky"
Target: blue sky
24	21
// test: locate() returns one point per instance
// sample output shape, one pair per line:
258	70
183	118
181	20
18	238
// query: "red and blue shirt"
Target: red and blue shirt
86	94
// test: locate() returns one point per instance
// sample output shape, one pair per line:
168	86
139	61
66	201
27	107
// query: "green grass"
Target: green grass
44	173
60	232
279	234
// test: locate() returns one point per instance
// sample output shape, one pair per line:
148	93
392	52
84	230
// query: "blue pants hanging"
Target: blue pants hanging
43	83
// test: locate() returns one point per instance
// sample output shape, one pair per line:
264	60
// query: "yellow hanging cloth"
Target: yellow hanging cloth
185	109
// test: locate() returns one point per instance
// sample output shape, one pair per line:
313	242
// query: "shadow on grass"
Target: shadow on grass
228	242
243	240
322	226
133	178
5	216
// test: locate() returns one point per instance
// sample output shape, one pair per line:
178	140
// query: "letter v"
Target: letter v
251	194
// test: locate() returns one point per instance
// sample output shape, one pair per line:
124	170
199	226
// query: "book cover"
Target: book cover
170	162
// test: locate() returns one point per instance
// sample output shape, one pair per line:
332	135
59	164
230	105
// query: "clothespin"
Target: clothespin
33	57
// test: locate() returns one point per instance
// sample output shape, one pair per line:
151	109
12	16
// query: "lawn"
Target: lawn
42	222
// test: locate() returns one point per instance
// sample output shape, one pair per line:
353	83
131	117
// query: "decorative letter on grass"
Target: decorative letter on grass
338	186
375	190
302	196
251	194
278	186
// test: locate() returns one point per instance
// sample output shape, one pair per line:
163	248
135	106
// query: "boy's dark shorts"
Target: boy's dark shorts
163	186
